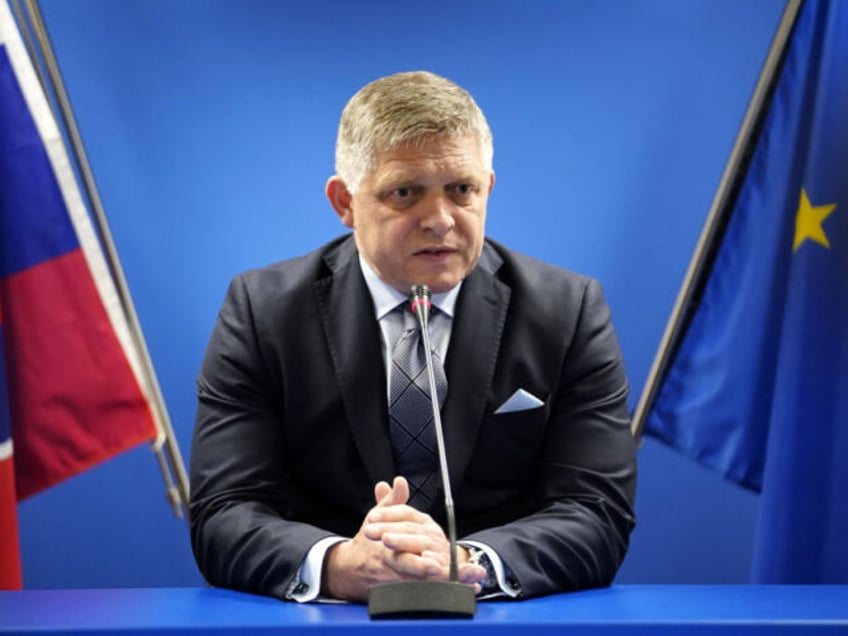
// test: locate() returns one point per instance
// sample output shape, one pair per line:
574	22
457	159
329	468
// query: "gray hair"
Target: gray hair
404	108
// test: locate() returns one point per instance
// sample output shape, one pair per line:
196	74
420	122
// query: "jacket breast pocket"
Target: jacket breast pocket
508	448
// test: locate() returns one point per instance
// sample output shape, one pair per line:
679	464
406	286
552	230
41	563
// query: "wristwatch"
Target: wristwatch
476	556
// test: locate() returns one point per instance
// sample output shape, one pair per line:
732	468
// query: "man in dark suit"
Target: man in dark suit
300	487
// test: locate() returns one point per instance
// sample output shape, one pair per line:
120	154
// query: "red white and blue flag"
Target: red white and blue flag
71	389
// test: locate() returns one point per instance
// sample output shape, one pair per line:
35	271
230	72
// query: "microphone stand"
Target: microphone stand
428	599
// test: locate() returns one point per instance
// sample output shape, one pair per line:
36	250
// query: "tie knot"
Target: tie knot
408	320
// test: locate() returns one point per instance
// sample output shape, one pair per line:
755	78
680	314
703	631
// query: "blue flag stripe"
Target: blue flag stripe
34	226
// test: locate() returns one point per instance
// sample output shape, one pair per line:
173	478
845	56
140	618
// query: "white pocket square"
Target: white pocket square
521	400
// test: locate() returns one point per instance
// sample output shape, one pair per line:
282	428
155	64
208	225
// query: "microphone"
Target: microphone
419	302
428	599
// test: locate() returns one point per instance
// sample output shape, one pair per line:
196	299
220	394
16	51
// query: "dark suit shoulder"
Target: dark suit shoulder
283	285
288	274
536	285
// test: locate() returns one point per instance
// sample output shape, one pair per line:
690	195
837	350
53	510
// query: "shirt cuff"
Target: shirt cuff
307	585
507	585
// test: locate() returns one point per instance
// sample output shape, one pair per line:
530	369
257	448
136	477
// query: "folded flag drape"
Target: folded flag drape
70	377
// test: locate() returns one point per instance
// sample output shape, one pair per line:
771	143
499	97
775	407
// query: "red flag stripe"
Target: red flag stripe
10	562
73	398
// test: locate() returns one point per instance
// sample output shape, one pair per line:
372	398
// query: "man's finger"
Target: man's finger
408	565
394	495
469	573
400	488
402	514
416	543
382	491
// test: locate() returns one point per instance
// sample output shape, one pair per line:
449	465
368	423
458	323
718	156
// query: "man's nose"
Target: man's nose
437	215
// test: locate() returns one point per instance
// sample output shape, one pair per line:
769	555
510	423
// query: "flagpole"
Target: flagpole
165	446
27	38
726	193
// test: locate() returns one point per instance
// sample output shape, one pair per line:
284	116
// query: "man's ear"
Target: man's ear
340	198
491	181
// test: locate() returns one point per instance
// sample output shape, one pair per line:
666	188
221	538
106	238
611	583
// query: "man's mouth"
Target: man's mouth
434	250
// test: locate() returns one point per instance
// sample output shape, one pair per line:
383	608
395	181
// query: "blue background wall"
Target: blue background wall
210	127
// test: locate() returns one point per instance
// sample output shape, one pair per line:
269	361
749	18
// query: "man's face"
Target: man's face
419	216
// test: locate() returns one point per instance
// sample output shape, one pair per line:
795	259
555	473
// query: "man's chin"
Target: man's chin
438	284
441	289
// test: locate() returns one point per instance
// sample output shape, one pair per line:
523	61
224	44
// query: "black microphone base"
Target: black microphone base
422	599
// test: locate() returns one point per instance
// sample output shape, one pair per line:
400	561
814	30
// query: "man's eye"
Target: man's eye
400	197
463	189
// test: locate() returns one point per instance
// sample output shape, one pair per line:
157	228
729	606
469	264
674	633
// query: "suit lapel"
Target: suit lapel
472	356
353	335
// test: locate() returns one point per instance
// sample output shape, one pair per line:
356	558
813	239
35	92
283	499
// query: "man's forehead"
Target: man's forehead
442	153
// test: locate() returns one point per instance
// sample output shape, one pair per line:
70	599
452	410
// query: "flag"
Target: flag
10	563
758	388
73	394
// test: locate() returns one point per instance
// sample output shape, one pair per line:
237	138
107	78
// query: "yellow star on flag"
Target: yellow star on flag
808	222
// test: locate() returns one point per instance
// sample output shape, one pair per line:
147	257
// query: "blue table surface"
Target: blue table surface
204	609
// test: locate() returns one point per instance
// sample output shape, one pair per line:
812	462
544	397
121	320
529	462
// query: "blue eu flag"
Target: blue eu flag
758	388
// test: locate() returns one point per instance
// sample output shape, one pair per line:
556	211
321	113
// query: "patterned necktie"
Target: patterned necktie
411	414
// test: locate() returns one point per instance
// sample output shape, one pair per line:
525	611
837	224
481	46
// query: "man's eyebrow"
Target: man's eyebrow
397	177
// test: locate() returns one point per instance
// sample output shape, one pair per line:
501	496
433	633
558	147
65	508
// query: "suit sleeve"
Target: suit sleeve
239	480
584	488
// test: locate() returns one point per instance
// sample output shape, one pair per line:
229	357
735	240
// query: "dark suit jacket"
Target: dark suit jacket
292	424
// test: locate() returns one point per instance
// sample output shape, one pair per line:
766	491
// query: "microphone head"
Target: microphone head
419	301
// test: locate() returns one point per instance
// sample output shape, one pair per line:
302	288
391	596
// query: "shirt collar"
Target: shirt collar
386	297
